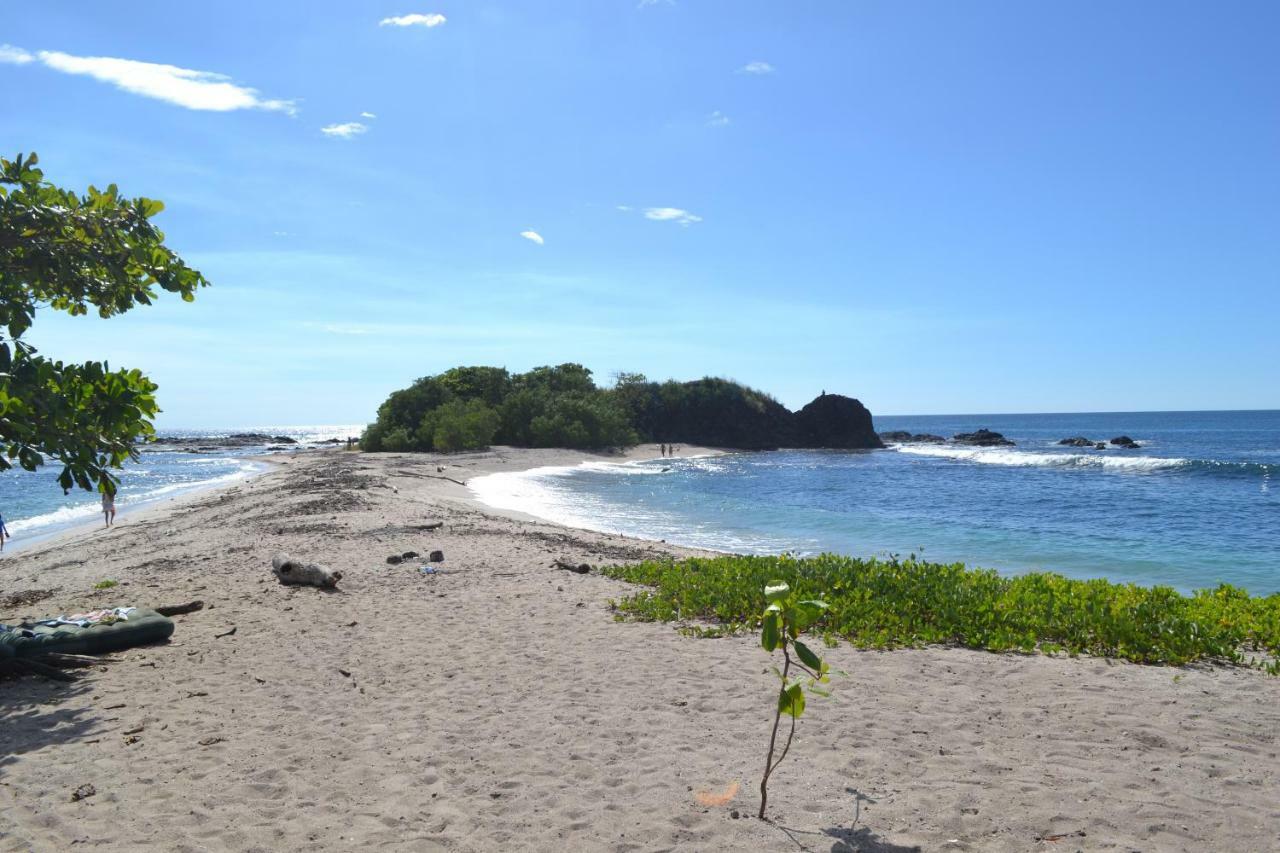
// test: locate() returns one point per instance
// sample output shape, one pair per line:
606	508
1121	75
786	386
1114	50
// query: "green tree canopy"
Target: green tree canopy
69	252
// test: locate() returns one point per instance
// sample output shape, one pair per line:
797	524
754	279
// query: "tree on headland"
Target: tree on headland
467	408
72	252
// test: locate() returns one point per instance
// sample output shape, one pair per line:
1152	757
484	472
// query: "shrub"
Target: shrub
457	426
874	603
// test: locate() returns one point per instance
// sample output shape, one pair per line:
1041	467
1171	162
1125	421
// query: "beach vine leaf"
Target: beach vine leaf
783	620
71	252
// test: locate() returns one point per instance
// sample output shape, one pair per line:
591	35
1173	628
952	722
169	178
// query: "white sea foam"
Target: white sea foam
67	516
538	492
1026	459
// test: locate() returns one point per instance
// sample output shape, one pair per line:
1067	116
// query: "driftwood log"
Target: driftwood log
295	572
179	609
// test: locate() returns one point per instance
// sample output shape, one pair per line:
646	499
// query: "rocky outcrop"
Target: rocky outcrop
1124	442
1078	441
901	436
239	439
982	438
836	421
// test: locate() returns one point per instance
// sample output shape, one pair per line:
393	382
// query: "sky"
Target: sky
935	207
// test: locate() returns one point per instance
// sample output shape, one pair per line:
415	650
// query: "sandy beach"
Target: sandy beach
498	704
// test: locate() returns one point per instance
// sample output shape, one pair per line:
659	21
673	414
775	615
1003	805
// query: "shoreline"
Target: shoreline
498	703
59	534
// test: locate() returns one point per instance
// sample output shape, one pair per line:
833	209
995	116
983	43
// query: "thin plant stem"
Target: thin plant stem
773	738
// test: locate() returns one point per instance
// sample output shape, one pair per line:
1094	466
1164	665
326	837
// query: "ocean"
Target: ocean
34	506
1193	507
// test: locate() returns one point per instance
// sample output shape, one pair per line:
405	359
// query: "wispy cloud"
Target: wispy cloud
625	208
346	130
670	214
367	115
757	67
195	90
644	4
717	119
14	55
434	19
533	237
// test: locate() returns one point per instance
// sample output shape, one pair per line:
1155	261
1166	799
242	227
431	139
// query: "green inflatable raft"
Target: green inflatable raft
34	638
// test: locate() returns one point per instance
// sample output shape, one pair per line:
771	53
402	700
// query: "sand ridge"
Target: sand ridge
499	705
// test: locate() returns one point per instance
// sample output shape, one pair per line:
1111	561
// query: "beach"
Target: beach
498	704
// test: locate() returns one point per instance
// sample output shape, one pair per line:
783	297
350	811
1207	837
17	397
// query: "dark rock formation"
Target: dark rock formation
901	436
982	438
1078	441
240	439
836	421
1125	442
1099	446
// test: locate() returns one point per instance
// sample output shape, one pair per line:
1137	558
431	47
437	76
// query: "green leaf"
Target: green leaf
808	612
807	657
776	591
769	632
791	701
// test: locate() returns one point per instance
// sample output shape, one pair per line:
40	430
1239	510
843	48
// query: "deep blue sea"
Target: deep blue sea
1196	505
33	505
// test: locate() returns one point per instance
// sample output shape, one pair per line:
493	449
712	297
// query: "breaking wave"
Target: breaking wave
1105	460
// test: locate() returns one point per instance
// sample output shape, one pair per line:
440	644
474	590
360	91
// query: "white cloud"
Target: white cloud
415	20
14	55
367	115
756	67
533	236
346	130
195	90
625	208
670	214
717	119
644	4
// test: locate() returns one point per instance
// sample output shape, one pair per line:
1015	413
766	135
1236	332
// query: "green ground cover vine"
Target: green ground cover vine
888	603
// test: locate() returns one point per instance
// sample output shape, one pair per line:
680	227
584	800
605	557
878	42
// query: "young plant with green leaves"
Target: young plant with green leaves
784	619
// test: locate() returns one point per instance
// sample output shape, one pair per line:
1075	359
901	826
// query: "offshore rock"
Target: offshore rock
836	421
1078	441
982	438
901	436
1125	442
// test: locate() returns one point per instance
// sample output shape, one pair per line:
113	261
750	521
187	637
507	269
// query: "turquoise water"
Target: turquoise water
34	506
1194	506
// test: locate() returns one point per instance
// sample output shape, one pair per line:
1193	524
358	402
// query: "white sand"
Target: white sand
499	705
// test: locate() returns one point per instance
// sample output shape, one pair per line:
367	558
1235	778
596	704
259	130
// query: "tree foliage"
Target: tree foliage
74	253
470	407
562	406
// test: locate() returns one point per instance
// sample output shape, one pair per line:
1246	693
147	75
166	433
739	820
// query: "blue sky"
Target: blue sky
936	207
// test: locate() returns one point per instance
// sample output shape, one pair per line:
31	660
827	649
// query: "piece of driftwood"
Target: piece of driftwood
43	669
74	661
576	568
295	572
179	609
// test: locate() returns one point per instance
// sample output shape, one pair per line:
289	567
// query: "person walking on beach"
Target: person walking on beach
108	508
4	533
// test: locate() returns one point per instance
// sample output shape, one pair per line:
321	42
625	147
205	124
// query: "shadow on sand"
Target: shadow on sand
850	839
32	716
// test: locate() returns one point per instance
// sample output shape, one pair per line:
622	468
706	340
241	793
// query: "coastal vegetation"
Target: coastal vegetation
467	408
904	602
72	252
